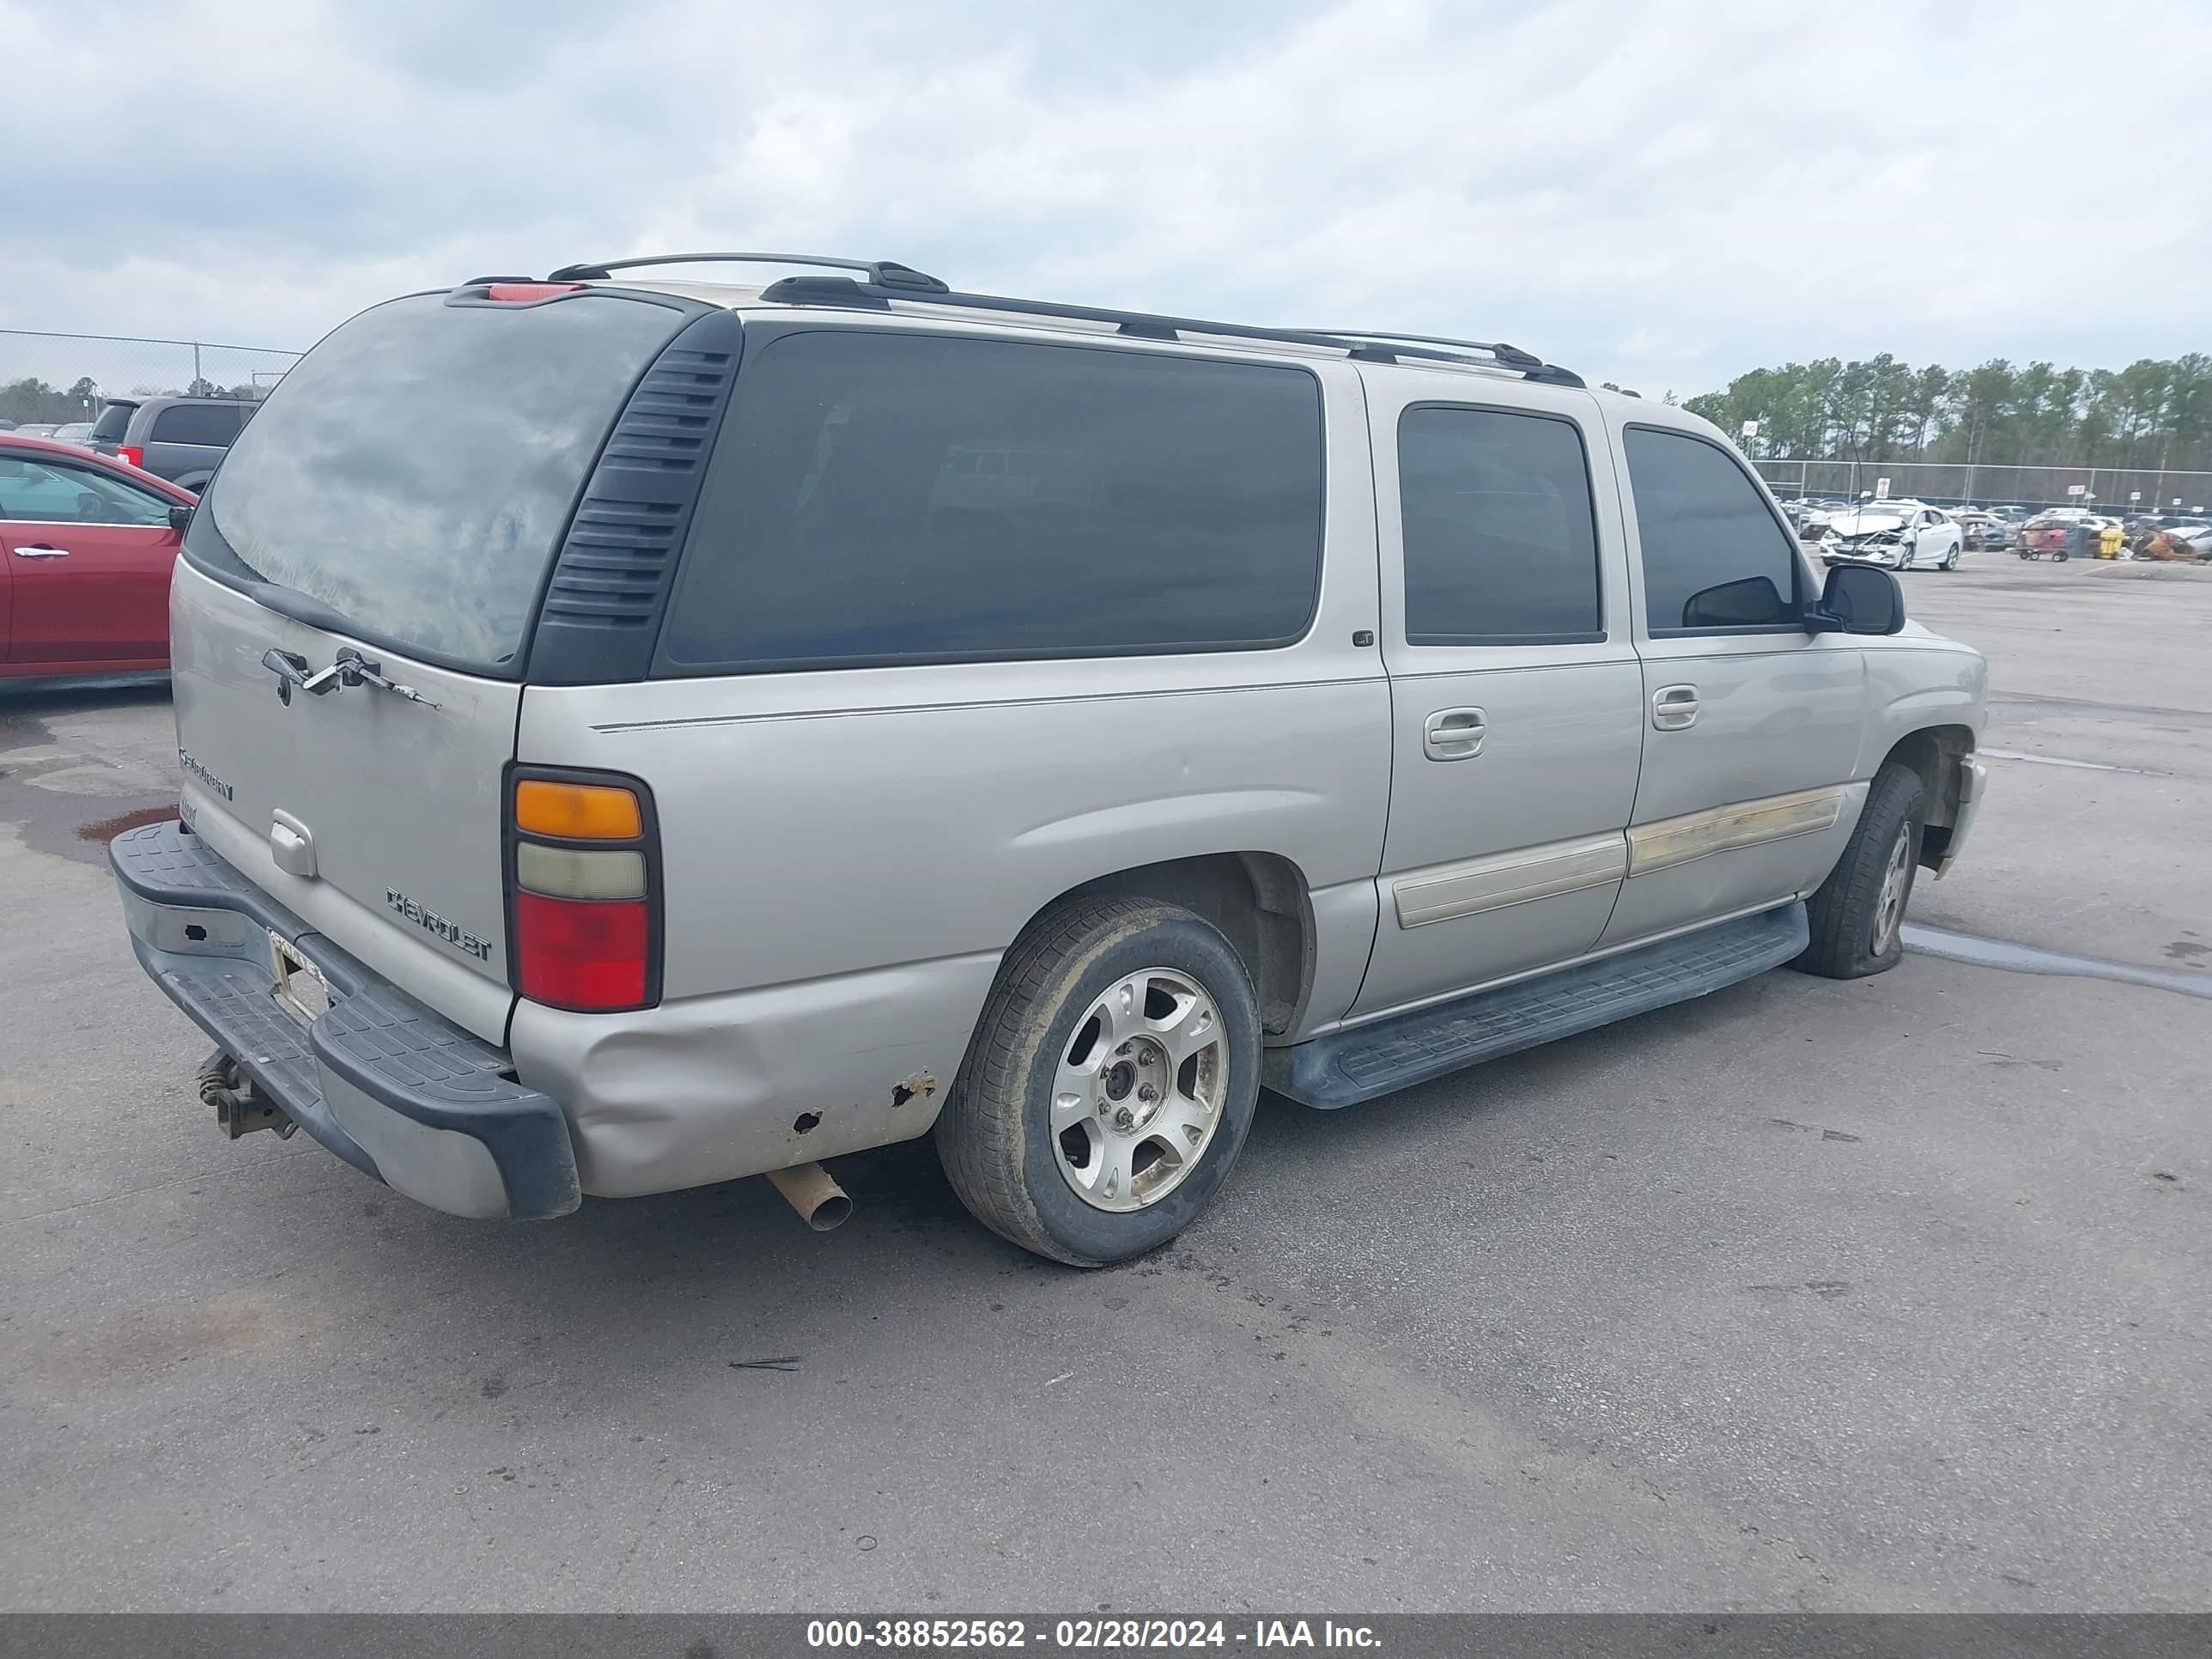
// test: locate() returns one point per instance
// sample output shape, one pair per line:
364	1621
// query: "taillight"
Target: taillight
583	869
131	454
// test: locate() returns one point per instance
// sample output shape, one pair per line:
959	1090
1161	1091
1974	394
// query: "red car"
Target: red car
86	545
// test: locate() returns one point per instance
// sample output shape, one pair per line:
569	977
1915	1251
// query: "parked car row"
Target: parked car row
1896	534
180	439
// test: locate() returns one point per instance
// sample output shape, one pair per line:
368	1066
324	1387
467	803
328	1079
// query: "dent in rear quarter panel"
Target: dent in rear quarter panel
848	855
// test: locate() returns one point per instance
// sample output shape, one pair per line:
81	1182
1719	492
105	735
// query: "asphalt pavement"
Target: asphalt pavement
1888	1295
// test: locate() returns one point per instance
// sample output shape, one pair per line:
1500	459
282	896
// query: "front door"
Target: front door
88	557
1515	692
1751	723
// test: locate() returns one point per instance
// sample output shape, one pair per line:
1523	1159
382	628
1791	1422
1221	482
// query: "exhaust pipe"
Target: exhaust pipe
814	1193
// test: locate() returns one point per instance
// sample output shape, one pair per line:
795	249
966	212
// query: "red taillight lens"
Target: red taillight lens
131	454
588	955
583	869
527	294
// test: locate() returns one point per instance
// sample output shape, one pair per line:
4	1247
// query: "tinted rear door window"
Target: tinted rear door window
1714	557
1501	541
214	424
881	497
114	421
415	470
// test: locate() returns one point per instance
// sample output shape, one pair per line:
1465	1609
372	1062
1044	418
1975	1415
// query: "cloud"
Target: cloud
1659	195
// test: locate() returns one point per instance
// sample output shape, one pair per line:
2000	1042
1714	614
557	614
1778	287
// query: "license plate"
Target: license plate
300	991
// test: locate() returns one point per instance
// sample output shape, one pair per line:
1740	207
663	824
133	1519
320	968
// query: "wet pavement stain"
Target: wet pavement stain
1979	952
103	830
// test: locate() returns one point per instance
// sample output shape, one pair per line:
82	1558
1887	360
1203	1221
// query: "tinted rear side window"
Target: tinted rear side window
415	470
1501	539
1713	556
214	424
882	497
114	421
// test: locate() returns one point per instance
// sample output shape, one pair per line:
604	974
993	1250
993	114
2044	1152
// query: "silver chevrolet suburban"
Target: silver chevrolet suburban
639	733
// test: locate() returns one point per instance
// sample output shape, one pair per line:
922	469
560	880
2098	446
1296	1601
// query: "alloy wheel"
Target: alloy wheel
1139	1093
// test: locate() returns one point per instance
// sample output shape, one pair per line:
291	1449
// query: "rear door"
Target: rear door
401	495
88	558
1515	691
1751	723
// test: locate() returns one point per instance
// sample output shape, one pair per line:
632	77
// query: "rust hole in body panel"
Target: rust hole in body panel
804	1121
109	828
921	1084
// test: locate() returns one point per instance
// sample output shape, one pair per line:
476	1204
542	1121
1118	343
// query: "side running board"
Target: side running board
1347	1068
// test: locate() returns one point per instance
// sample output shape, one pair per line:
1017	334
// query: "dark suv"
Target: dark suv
180	439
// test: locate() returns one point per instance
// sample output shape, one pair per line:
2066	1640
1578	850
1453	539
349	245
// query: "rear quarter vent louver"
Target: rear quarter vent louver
610	583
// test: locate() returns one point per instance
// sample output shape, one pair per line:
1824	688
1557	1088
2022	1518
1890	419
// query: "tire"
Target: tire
1855	930
1951	559
996	1137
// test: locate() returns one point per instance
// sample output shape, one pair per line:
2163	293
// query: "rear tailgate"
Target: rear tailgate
397	500
397	801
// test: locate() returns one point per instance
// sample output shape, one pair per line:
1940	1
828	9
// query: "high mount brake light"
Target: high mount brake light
527	294
584	877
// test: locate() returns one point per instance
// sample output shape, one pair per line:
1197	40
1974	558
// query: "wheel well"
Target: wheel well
1258	901
1935	752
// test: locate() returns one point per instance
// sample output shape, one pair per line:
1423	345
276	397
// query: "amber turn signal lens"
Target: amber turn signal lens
576	811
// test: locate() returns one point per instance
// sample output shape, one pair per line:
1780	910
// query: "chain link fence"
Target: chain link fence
52	379
2114	489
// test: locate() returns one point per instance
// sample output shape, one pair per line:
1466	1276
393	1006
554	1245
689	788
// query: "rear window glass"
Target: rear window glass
214	424
882	497
114	421
415	470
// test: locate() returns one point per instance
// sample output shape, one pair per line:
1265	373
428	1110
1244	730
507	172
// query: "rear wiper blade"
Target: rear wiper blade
291	602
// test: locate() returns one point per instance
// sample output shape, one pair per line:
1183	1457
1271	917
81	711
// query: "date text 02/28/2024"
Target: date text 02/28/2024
1084	1634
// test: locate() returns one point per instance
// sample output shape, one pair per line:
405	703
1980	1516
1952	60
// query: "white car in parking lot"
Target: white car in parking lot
1895	535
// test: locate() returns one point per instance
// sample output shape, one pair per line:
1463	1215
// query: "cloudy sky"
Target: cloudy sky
1659	194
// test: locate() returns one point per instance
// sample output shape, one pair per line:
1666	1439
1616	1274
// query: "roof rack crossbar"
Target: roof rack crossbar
887	273
1146	325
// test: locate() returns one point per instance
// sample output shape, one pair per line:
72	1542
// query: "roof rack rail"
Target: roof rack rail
1510	356
1504	353
1145	324
884	273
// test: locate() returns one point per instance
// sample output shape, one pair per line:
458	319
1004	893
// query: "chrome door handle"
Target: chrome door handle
42	550
1451	734
1674	707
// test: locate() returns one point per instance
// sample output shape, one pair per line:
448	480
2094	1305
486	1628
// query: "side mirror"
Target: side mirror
1859	598
180	519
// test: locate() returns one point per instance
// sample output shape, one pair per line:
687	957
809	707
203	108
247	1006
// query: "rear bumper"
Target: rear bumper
380	1079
